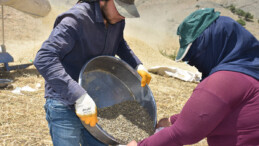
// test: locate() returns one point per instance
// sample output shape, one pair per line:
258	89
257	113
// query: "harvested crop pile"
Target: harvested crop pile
126	121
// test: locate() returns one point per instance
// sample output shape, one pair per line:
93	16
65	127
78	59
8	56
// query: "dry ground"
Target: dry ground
22	117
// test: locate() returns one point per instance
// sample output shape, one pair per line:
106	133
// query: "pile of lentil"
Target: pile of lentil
126	121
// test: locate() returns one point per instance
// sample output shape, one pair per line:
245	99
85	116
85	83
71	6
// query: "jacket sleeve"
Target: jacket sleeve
48	60
212	101
194	122
173	118
125	53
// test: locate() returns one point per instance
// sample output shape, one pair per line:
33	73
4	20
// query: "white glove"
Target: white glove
86	110
146	77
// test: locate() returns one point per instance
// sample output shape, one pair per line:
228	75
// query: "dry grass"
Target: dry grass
22	117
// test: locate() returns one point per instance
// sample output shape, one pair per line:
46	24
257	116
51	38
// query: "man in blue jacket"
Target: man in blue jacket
89	29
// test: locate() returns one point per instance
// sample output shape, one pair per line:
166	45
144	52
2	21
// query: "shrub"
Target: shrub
258	20
232	8
241	21
248	16
240	12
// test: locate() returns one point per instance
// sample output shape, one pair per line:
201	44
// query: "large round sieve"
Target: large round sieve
109	80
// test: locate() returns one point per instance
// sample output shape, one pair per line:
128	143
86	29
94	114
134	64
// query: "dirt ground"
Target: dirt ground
22	117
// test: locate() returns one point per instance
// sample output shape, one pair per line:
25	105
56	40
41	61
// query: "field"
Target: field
22	116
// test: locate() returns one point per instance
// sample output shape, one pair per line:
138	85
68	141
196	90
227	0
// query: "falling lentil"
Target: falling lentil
126	121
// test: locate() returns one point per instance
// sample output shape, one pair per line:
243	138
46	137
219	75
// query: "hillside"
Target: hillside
246	5
160	19
156	27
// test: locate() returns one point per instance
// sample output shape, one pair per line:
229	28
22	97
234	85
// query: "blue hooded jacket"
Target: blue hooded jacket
225	45
78	36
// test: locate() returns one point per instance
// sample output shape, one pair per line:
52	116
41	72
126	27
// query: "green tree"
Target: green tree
241	21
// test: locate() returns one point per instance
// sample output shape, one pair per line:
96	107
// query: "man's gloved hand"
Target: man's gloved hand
146	77
86	110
